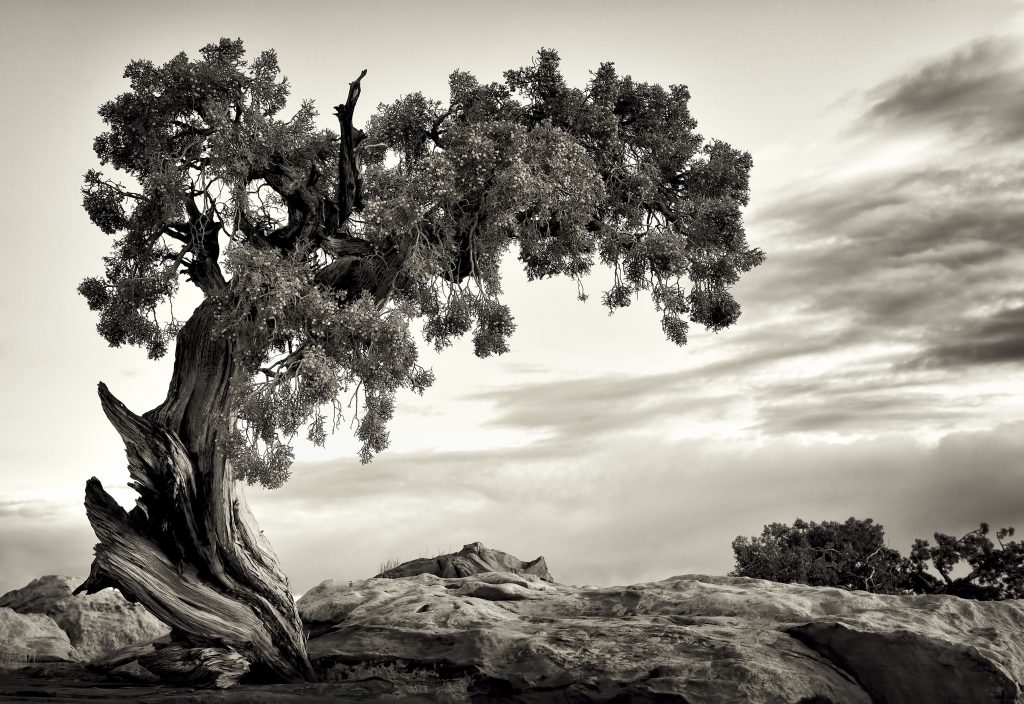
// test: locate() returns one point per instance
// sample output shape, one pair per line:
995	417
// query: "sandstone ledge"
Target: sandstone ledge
692	638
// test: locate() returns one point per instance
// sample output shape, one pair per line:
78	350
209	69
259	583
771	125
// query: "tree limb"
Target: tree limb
350	185
204	229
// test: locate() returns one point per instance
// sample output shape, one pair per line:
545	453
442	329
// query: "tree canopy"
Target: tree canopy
318	251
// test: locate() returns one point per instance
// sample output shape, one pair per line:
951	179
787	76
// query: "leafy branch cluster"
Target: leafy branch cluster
991	572
312	361
615	171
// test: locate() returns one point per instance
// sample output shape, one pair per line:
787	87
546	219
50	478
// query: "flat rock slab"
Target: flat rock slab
693	639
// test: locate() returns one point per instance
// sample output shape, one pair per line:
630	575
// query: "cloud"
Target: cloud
992	339
571	412
617	513
976	91
907	277
856	406
21	508
621	513
876	247
862	397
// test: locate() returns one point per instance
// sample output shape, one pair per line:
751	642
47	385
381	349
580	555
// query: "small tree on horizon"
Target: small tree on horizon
316	252
853	555
849	555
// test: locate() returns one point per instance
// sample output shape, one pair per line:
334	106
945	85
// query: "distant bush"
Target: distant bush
850	555
853	555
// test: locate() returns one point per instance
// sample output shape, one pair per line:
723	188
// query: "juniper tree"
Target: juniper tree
849	555
319	255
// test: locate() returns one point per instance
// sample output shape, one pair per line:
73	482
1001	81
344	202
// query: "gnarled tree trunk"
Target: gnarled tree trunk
190	550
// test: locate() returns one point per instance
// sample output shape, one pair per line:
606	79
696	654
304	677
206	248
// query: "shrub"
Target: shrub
853	555
850	555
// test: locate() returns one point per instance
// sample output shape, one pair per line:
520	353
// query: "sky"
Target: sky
877	369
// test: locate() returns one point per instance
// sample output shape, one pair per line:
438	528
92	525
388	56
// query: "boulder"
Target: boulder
692	638
96	624
28	639
472	559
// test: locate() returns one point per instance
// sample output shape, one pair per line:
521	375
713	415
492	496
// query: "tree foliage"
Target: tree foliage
849	555
320	250
853	555
992	572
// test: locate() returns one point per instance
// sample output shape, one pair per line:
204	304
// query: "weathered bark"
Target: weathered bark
190	550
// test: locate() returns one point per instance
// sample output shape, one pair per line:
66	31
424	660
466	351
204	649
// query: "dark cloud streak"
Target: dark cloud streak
975	92
996	339
926	254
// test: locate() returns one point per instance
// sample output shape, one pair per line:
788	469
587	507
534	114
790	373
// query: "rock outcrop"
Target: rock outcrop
95	624
26	639
693	639
472	559
506	637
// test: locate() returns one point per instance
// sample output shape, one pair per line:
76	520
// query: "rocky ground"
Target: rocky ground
482	626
